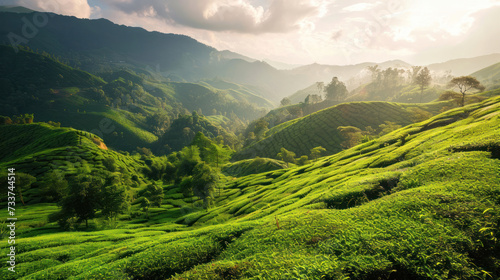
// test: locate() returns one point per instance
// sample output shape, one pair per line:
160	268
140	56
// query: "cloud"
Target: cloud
240	16
359	7
77	8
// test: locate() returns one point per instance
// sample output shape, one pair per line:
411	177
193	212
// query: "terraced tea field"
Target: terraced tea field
320	129
421	202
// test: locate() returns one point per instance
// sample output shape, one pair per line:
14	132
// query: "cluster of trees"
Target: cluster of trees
290	157
20	119
195	168
183	130
353	136
87	195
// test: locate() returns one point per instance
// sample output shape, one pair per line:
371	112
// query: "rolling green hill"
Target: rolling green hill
422	206
320	128
38	149
252	166
489	76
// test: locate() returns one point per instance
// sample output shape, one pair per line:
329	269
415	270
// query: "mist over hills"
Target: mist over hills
100	45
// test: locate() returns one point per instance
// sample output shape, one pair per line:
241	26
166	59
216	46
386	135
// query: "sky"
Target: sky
335	32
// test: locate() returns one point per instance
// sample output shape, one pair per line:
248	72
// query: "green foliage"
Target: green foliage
154	193
465	84
286	156
252	166
317	152
382	209
352	136
336	90
205	181
53	186
303	160
320	128
82	200
388	126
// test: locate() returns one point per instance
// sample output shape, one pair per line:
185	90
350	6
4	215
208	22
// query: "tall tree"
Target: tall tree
336	90
423	80
83	199
320	86
205	180
374	71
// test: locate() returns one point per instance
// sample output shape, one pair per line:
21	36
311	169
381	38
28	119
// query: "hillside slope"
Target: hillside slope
320	128
489	76
425	206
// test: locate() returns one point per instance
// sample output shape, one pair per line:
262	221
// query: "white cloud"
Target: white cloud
359	7
240	16
77	8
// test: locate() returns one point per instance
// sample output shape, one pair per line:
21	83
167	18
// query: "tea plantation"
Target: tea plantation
421	202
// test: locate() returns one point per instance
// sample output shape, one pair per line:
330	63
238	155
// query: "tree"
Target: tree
286	156
303	160
321	87
205	180
5	120
374	72
53	186
413	73
285	101
313	99
154	193
316	152
423	80
83	198
189	158
24	182
464	84
352	136
387	127
144	203
114	198
336	90
260	129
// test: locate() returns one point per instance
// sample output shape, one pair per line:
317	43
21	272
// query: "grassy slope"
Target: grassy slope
252	166
38	148
489	76
320	128
301	95
239	92
425	208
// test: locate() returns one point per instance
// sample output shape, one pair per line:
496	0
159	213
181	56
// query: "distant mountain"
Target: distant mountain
465	66
138	108
281	65
16	9
100	45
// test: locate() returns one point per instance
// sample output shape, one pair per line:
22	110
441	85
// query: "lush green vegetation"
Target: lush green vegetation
321	128
252	166
489	76
122	104
418	203
131	173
